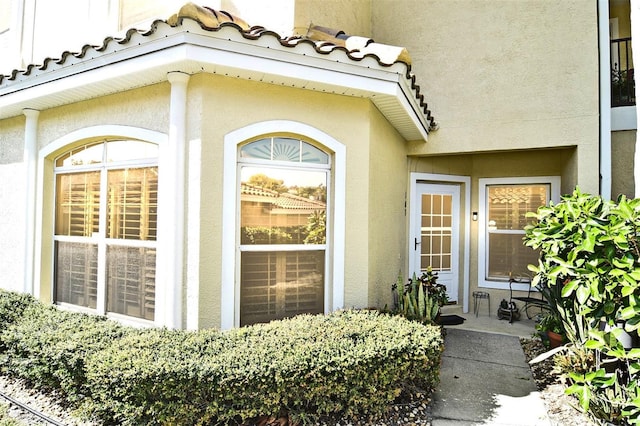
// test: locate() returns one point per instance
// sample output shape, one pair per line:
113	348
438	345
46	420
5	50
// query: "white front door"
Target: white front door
435	235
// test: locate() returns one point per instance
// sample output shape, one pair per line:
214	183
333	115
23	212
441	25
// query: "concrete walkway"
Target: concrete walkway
484	380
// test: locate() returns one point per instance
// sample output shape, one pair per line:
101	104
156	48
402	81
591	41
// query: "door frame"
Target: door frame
464	182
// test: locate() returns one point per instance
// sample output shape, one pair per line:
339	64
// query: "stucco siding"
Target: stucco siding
495	80
229	104
146	107
623	148
387	218
12	203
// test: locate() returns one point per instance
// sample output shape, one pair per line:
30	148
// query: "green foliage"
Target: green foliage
49	347
589	271
419	299
12	305
550	322
350	362
316	228
346	363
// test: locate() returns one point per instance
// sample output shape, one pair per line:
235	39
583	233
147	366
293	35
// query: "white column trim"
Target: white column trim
193	235
175	179
31	163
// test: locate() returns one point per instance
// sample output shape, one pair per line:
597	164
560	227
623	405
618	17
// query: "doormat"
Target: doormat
450	320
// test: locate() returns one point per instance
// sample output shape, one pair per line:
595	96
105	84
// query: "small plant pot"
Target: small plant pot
555	339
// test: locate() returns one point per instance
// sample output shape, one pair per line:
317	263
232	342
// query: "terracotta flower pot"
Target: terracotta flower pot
555	339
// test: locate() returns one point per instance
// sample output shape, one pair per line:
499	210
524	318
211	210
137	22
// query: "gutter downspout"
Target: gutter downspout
604	44
31	163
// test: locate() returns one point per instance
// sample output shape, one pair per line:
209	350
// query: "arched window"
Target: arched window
106	198
283	191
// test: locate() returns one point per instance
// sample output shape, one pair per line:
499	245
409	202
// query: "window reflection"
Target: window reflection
283	206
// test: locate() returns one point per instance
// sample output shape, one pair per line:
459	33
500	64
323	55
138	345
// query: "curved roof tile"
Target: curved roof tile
323	40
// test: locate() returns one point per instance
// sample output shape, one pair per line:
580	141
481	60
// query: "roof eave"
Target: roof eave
117	67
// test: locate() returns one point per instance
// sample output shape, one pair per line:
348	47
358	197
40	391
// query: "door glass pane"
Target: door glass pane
276	285
282	206
77	203
76	266
133	204
131	277
436	231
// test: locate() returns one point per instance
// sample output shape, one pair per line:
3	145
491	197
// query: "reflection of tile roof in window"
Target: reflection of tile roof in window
282	201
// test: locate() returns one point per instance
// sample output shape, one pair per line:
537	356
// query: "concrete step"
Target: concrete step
453	309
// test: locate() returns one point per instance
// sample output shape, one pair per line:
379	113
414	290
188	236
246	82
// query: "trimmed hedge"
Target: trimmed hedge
345	363
49	347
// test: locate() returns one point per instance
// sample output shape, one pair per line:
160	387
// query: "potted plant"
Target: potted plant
420	298
550	327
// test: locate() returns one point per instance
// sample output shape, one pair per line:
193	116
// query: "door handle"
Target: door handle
416	243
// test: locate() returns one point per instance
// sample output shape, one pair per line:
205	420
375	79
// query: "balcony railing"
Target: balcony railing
623	92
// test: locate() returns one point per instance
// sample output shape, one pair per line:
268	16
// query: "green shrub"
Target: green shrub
345	363
12	305
589	271
49	347
350	362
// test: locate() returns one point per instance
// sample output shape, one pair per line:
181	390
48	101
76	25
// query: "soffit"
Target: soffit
200	40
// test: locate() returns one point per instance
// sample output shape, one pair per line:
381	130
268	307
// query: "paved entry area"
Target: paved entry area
484	380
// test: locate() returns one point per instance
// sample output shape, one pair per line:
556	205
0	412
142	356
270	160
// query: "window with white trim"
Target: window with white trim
504	204
105	227
282	228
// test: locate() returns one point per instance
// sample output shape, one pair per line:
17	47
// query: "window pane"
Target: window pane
508	254
277	285
279	206
286	149
130	150
88	154
311	154
76	267
507	207
77	203
509	204
259	149
133	204
131	281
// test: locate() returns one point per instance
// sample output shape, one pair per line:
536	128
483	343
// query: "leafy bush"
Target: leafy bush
345	363
421	298
589	270
350	362
49	347
12	305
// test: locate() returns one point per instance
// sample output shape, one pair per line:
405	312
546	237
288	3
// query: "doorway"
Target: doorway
435	238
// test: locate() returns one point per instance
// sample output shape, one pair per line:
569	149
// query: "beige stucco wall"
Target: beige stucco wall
229	104
12	203
495	81
623	148
144	108
556	162
387	218
351	16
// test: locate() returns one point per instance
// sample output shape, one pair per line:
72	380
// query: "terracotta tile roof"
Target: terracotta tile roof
284	201
324	41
